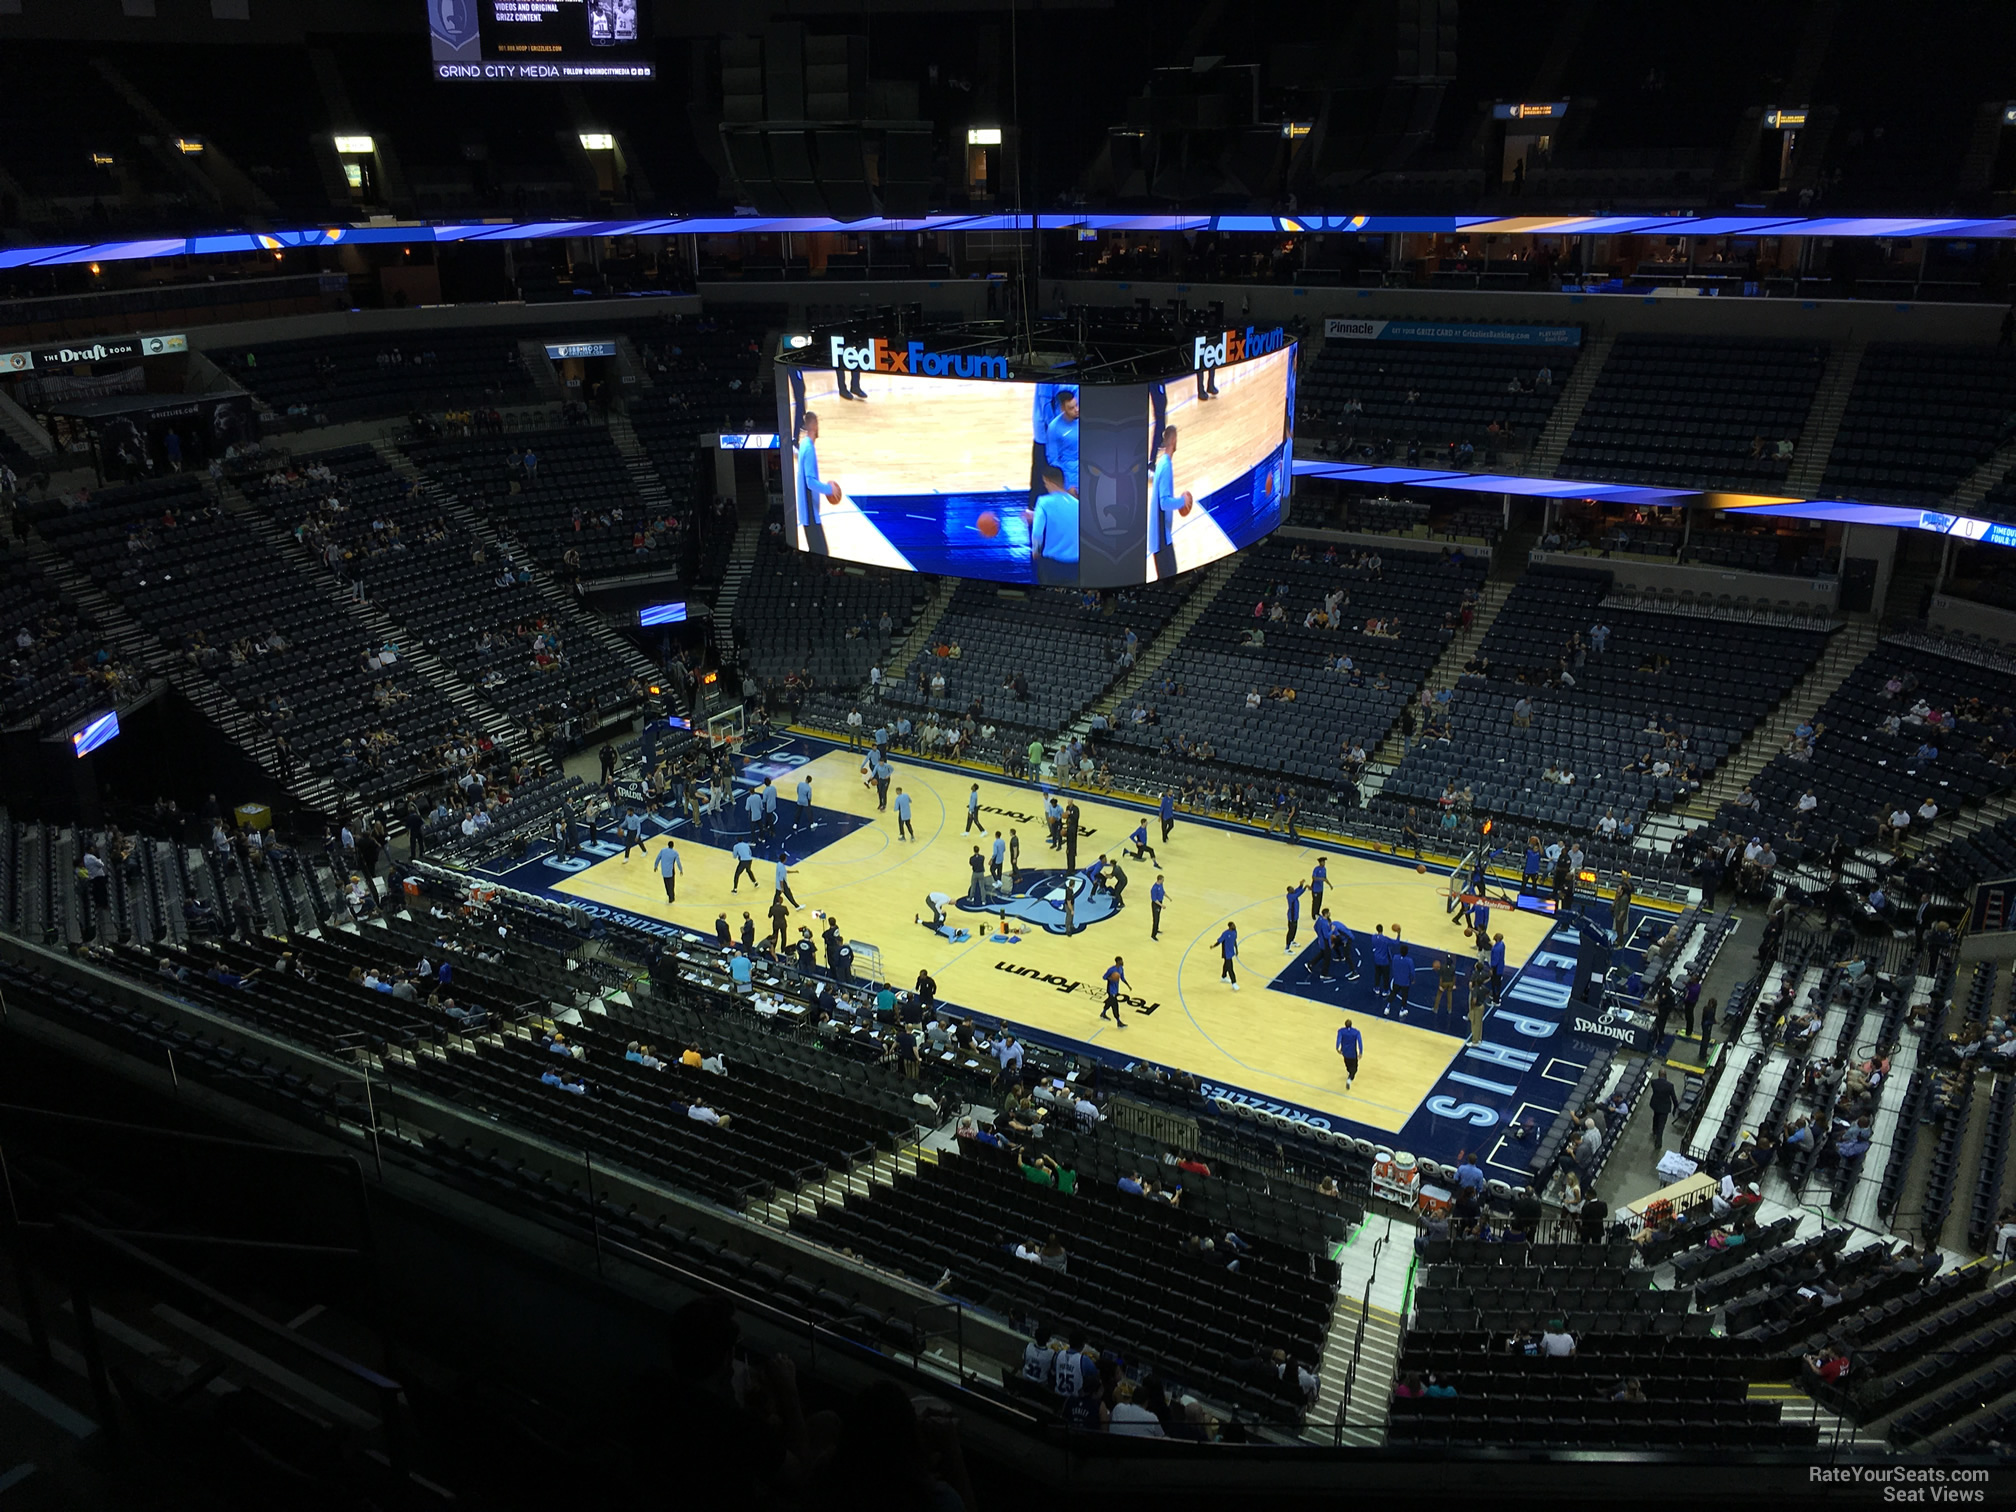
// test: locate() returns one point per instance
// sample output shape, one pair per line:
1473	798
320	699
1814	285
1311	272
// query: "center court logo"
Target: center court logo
1043	904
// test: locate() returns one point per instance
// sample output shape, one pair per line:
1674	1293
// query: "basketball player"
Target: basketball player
1053	532
1164	504
1115	975
1350	1045
812	488
1042	413
1060	442
1228	952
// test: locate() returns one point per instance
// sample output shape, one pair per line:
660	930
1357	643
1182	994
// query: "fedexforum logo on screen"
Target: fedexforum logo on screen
878	356
1236	346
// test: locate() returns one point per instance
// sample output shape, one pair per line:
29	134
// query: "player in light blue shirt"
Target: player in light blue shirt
745	864
813	490
804	800
1060	439
668	866
1053	536
903	829
783	877
1163	505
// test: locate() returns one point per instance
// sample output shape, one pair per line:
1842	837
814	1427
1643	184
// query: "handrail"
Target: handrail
81	1235
1358	1337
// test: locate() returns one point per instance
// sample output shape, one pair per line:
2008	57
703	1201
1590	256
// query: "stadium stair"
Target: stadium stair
539	368
139	648
1823	420
1845	651
381	627
735	573
1377	1264
913	645
1203	593
16	425
1546	455
1447	667
834	1187
1974	487
570	608
1794	1406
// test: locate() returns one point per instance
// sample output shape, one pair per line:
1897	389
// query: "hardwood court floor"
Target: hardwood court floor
1219	439
1273	1044
922	435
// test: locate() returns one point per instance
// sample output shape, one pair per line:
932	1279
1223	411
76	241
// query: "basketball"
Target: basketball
989	524
1420	867
1187	502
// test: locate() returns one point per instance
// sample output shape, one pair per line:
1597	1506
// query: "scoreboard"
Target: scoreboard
539	40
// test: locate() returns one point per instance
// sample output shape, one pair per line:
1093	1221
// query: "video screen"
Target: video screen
1222	444
95	734
557	40
941	475
1045	484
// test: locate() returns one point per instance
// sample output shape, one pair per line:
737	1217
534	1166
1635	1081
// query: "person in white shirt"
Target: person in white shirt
1557	1341
701	1113
1133	1419
1807	802
1607	825
1927	811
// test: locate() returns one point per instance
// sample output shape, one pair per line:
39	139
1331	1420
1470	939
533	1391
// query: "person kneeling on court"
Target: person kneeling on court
937	903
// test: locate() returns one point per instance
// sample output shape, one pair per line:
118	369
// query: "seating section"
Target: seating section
1679	688
1131	1282
1435	393
703	375
479	613
1919	420
1690	412
1691	1390
1066	644
238	612
1860	772
1202	721
578	510
801	613
1515	1290
365	377
59	664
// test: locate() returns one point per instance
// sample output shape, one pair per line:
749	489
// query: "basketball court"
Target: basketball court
1271	1043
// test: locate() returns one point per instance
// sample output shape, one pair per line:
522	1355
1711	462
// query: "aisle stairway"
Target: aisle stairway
1823	420
1376	1265
139	647
1546	454
1204	592
1446	669
734	573
380	627
1845	651
651	490
571	610
905	652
